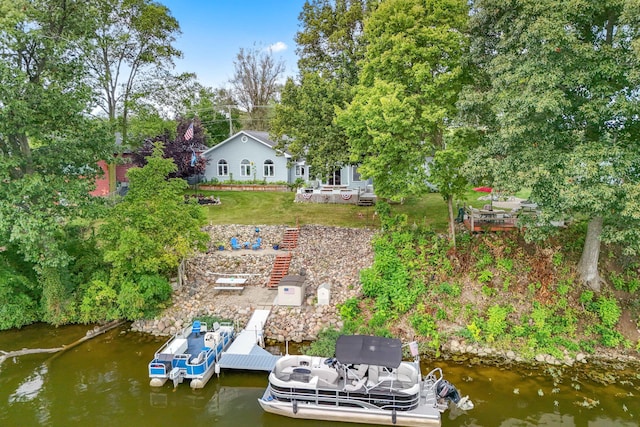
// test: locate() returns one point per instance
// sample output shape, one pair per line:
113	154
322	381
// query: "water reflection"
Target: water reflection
104	383
30	387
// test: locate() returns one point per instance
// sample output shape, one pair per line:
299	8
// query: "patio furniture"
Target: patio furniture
257	244
234	243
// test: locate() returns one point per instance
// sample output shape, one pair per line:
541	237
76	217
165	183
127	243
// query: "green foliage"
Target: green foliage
488	291
325	345
474	330
496	321
486	260
505	264
586	297
557	259
350	309
152	230
450	289
608	311
564	286
99	303
485	276
19	291
628	282
399	112
142	296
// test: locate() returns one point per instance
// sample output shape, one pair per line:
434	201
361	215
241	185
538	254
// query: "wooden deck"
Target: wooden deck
480	226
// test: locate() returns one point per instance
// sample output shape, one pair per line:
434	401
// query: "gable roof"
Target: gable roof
259	136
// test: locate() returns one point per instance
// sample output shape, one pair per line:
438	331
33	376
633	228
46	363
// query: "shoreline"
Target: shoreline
331	255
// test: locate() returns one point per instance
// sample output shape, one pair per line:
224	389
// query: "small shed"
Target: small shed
324	294
291	290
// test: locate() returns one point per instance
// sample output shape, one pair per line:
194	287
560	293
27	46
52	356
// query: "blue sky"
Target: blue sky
213	31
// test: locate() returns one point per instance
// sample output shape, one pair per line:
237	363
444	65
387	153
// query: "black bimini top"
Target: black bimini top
370	350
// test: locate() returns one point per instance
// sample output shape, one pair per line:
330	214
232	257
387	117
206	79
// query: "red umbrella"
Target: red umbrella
483	189
486	190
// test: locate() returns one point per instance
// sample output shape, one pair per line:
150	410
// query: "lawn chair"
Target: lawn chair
257	244
234	243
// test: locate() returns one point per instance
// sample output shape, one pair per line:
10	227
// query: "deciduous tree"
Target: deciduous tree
411	76
255	84
563	94
330	46
49	145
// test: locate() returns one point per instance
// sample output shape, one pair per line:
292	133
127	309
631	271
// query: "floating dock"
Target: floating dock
245	352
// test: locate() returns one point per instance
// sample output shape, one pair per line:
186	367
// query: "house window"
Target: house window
356	174
245	168
269	168
223	168
299	170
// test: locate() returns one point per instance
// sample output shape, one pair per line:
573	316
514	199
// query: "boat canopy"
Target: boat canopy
369	350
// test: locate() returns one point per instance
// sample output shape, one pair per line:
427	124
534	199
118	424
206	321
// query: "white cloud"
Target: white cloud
278	47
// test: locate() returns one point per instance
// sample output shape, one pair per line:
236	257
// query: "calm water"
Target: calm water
104	382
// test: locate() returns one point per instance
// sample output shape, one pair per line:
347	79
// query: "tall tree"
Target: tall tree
181	150
563	95
255	84
149	234
330	46
49	145
133	42
411	76
447	174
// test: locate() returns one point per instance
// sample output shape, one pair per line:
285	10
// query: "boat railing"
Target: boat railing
345	398
430	386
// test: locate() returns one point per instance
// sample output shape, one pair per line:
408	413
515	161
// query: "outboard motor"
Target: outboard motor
446	390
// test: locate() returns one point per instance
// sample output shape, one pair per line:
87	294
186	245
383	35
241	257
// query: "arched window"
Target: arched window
245	168
269	168
223	168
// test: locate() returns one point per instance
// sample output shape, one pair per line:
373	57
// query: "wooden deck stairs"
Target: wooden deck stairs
280	269
290	239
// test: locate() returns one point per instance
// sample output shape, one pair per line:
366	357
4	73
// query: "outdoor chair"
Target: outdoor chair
257	244
196	327
235	244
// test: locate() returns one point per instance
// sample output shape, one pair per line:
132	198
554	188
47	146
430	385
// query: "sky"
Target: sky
213	31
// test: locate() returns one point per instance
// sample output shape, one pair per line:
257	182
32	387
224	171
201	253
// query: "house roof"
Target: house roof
259	136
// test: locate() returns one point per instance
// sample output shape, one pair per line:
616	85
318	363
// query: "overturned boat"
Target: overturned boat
366	382
190	354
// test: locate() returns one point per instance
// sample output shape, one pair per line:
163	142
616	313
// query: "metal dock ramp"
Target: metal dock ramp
245	352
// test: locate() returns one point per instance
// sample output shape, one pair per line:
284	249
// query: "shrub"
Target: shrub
496	321
608	311
350	309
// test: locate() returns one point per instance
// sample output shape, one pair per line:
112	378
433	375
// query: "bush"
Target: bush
142	296
350	309
608	311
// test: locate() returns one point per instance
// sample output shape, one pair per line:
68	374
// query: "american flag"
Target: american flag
189	133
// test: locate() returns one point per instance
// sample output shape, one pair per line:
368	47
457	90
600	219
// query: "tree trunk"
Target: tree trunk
588	265
452	223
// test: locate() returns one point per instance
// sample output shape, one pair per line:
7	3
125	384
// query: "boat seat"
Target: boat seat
356	384
325	376
358	372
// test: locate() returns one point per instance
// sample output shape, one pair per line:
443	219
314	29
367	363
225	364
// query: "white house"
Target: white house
250	156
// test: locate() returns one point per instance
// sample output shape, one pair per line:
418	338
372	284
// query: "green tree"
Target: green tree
152	230
447	174
411	76
330	46
49	144
133	42
563	101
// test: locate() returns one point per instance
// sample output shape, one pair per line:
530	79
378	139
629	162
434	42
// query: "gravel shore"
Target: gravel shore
330	255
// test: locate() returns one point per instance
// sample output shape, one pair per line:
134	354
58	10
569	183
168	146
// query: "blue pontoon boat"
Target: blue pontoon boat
190	354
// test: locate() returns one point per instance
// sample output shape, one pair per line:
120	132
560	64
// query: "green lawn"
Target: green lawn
276	208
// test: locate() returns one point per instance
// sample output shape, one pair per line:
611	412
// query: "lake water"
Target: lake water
103	382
